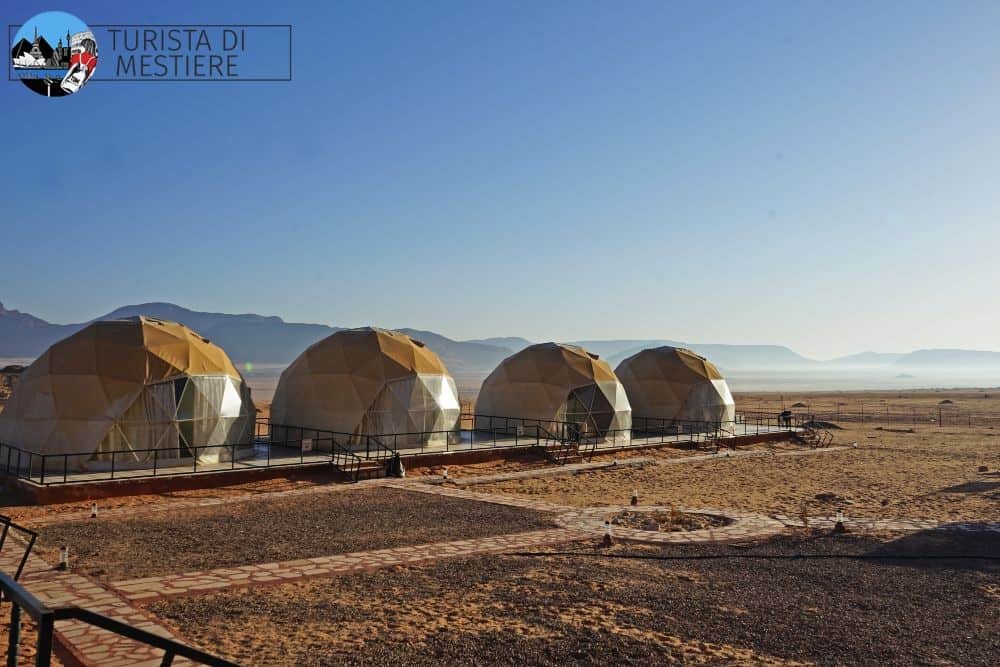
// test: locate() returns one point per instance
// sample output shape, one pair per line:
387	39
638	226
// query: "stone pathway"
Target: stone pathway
149	589
494	498
742	526
551	471
88	644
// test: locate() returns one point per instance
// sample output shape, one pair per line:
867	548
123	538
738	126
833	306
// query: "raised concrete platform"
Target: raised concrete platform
272	462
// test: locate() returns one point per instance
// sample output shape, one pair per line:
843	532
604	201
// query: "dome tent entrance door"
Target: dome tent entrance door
589	410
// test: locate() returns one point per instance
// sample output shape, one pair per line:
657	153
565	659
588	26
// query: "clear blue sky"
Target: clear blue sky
816	174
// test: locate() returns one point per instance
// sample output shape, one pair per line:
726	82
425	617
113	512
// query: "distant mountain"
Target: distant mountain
464	357
270	340
24	335
249	337
867	359
727	357
753	356
948	359
512	343
606	349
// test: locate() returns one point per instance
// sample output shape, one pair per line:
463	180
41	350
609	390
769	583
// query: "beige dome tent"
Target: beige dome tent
675	385
553	384
368	382
130	386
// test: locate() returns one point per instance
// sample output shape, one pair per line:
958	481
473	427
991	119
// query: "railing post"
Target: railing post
14	634
65	467
112	464
43	656
41	477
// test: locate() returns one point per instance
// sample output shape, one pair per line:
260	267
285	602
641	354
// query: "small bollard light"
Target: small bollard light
64	558
93	510
445	473
839	527
635	496
608	538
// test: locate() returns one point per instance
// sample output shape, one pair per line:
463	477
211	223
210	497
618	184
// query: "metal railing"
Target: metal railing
874	413
45	617
29	536
273	445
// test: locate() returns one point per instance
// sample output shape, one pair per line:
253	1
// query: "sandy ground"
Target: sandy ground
930	473
845	602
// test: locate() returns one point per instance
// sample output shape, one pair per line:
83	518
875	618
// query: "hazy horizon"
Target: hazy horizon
807	175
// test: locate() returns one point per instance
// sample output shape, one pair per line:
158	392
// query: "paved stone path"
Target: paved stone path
743	526
494	498
88	644
149	589
551	471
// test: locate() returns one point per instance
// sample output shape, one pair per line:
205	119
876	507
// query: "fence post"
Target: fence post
14	638
43	657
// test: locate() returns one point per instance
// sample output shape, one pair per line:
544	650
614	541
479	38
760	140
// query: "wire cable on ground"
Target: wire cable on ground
911	557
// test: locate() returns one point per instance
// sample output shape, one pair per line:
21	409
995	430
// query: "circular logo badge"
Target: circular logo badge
54	54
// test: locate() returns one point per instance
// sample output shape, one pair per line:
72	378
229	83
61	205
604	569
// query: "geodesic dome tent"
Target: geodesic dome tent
672	384
368	382
130	386
554	384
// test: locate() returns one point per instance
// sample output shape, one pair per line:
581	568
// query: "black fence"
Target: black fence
45	617
941	416
275	445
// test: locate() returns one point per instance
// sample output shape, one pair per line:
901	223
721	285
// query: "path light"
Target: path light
608	538
445	474
93	510
64	558
635	496
838	527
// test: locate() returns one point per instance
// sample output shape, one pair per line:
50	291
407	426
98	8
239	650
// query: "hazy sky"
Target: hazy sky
820	175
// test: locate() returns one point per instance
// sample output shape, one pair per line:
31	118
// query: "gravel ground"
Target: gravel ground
277	530
760	604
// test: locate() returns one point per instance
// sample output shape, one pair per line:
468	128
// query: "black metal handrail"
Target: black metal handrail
46	616
286	445
29	535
